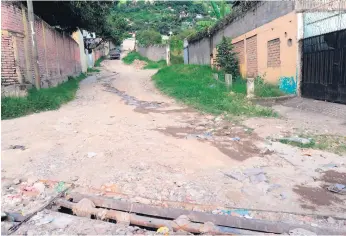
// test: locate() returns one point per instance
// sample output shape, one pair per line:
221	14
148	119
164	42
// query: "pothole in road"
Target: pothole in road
144	107
130	100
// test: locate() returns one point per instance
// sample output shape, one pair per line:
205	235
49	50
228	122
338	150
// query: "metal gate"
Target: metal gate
324	67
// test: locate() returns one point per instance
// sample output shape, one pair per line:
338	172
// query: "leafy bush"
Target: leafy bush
98	61
177	59
148	37
226	58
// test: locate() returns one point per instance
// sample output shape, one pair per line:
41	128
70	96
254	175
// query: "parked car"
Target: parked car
114	53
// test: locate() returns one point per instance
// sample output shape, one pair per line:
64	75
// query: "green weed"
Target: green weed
195	86
132	56
98	61
91	70
331	143
40	100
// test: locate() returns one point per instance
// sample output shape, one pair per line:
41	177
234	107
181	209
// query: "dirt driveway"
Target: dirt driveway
120	130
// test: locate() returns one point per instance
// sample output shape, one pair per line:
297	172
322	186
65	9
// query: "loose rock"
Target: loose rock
40	187
236	175
304	141
301	232
16	181
331	220
21	147
74	178
91	154
337	188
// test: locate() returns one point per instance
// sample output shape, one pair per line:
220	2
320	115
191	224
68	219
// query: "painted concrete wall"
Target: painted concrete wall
154	52
128	44
317	23
78	37
285	30
199	52
271	20
264	13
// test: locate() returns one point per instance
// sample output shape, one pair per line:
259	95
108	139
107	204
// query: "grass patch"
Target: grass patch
262	89
132	56
40	100
91	70
195	86
331	143
98	61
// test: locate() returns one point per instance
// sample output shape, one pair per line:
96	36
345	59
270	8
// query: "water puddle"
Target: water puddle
130	100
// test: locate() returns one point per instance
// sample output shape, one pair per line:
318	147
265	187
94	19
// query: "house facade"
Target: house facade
269	38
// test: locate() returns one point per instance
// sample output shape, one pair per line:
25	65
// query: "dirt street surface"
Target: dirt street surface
122	135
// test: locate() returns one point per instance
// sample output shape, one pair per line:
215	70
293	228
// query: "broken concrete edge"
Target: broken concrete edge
199	217
15	90
196	206
14	228
272	99
182	222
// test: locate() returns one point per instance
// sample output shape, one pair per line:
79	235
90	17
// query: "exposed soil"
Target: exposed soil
317	196
332	176
121	133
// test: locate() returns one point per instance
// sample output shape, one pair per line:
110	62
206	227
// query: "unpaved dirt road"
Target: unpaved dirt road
122	132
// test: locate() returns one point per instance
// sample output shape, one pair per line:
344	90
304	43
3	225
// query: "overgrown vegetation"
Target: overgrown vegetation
98	61
92	70
226	58
148	37
331	143
40	100
163	16
262	88
132	56
238	8
195	86
94	16
177	46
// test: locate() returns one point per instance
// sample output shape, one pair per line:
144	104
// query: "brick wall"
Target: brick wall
251	56
58	53
273	49
239	49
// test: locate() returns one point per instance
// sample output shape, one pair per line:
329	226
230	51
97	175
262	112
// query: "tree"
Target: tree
93	16
148	37
226	58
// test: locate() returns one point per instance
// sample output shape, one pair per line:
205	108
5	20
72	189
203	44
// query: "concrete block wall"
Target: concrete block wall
58	53
153	52
199	52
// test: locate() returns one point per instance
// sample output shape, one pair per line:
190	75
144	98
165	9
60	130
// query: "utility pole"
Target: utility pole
31	18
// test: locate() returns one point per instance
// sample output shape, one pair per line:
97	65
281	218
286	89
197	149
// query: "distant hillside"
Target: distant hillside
164	16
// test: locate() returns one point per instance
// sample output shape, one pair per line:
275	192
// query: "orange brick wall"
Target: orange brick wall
273	49
251	56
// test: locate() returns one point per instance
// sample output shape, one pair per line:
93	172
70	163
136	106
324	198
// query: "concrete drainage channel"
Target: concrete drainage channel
175	219
163	216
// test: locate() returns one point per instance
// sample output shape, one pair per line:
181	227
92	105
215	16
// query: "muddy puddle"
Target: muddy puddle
145	107
332	176
160	111
234	147
130	100
317	196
